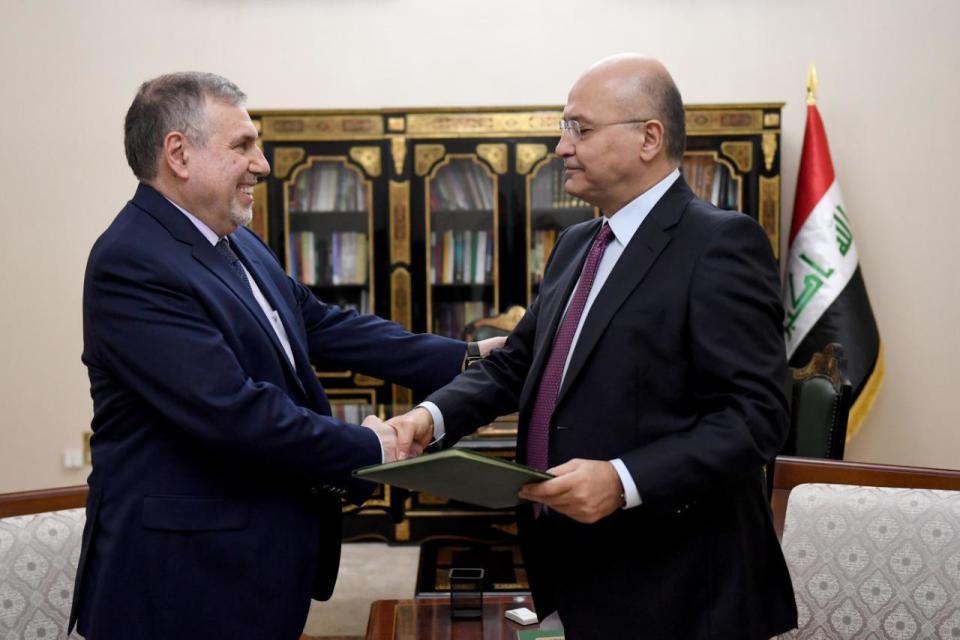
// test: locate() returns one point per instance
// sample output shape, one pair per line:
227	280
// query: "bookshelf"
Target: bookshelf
432	217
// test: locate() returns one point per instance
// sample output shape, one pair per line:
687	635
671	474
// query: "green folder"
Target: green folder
541	635
458	475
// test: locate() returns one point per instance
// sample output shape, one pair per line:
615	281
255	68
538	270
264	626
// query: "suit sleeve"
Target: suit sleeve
342	338
161	360
738	368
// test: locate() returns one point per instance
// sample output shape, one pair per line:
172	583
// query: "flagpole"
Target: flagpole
812	85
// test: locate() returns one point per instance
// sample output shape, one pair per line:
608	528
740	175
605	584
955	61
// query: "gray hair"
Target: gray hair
171	102
667	101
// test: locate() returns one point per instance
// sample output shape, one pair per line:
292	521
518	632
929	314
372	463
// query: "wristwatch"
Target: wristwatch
473	354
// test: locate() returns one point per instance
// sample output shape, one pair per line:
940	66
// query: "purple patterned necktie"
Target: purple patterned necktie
538	433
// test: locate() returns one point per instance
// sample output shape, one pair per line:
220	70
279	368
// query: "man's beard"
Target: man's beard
241	217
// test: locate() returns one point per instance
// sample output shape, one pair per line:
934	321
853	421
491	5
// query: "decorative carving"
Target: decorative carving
400	300
769	146
771	119
396	123
398	149
741	153
427	155
368	158
724	121
284	159
471	124
495	155
769	211
399	222
528	155
345	127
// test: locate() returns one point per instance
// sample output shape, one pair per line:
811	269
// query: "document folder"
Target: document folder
458	475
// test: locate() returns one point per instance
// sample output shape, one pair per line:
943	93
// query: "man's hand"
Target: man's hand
488	345
414	431
585	490
387	435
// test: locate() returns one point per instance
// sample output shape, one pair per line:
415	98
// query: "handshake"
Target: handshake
406	436
403	436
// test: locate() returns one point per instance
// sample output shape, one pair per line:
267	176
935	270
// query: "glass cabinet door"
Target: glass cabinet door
550	209
712	179
330	231
461	198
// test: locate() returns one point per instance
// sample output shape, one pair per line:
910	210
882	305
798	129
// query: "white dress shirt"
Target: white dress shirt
624	224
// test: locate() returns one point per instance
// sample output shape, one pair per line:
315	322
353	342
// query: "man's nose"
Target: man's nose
564	146
259	165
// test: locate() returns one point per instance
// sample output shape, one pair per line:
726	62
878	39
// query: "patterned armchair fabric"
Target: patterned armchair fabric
874	563
38	563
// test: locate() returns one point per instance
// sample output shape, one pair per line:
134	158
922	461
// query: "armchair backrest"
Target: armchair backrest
820	407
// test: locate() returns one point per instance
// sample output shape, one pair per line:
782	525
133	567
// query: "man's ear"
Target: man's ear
652	142
176	154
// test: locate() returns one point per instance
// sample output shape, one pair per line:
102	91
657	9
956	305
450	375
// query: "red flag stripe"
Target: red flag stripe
816	171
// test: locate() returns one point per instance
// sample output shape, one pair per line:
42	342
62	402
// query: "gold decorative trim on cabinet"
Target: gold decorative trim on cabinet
471	124
402	399
769	145
771	119
285	158
400	300
341	127
399	222
495	155
740	152
529	155
401	531
398	149
710	122
366	381
427	155
769	207
396	123
368	158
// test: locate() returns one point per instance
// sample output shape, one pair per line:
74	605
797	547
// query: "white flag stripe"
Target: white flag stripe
822	260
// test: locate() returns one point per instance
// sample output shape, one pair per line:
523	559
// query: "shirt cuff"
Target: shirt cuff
438	430
631	495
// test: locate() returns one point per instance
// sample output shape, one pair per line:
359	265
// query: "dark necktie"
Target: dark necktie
538	433
223	246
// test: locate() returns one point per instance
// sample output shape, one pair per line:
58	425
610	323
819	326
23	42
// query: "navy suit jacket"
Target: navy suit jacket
678	371
214	504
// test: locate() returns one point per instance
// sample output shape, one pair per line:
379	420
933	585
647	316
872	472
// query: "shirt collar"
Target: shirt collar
207	232
627	220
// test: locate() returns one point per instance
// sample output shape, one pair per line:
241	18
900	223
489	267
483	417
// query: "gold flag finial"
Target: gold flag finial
812	84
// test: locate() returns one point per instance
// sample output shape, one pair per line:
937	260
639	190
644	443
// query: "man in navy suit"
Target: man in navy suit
214	504
648	376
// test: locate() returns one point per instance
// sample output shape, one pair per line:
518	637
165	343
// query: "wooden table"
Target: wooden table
429	619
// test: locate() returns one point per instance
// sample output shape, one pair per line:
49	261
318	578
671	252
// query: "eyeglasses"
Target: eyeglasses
576	131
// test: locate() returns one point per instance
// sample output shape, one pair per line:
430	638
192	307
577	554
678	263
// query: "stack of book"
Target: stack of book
352	412
461	185
328	187
335	258
461	257
543	241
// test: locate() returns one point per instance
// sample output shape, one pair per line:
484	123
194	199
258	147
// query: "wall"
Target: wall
888	96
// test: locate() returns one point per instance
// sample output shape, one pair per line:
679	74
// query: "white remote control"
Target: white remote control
521	616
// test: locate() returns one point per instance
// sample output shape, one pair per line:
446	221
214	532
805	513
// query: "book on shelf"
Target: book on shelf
337	258
450	318
461	257
352	412
461	185
328	186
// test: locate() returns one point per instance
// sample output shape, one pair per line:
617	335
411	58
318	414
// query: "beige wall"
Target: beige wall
888	95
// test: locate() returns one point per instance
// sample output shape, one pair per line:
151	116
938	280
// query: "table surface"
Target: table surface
429	619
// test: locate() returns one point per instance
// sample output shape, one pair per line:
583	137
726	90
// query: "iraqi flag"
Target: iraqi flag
824	293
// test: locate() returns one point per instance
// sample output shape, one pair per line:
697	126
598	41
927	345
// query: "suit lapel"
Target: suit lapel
182	229
649	241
